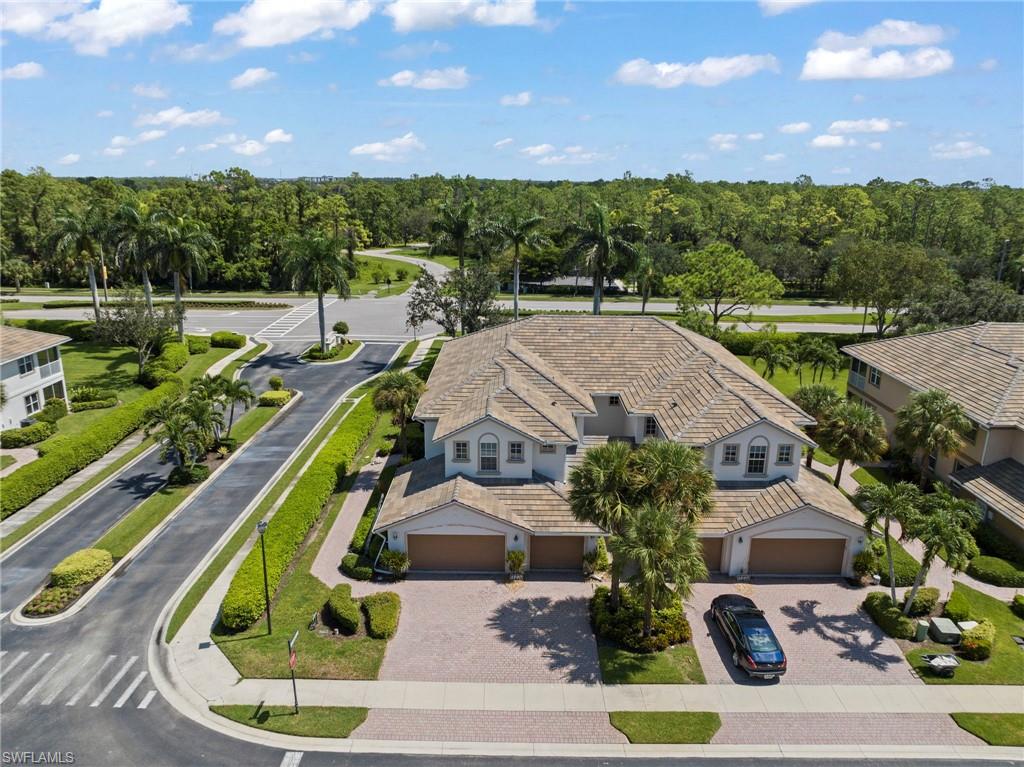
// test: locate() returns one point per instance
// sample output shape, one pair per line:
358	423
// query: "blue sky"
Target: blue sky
844	92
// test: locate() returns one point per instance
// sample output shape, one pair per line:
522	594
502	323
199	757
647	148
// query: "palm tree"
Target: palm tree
317	262
818	401
885	503
852	432
398	391
945	526
804	352
183	246
673	476
774	355
452	229
179	438
519	232
236	392
135	234
645	275
208	387
205	418
601	493
599	243
665	553
79	238
930	423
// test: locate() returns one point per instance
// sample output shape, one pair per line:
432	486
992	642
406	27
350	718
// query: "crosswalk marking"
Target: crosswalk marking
67	680
291	759
148	699
10	688
114	682
284	325
18	659
130	689
75	698
38	685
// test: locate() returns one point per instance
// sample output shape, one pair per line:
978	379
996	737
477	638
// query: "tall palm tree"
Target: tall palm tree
452	229
398	391
316	262
666	555
599	243
78	236
236	392
818	401
183	247
883	503
674	476
601	493
518	232
208	387
931	423
645	275
179	438
135	235
852	432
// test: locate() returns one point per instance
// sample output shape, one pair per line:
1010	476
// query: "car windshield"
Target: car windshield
761	639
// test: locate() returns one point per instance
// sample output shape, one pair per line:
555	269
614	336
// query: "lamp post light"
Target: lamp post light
261	528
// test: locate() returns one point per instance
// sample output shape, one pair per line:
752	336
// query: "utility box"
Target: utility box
921	633
944	631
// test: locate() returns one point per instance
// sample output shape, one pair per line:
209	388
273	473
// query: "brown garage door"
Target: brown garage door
556	552
797	556
712	553
457	552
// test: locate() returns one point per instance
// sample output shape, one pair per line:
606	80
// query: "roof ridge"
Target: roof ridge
1018	379
916	335
521	352
513	390
707	406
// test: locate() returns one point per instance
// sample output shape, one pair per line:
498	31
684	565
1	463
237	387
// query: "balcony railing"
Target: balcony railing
858	380
50	369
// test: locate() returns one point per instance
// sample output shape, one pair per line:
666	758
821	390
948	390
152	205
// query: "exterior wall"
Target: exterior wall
886	398
1005	526
504	435
18	386
761	433
455	519
551	465
610	421
431	449
1004	443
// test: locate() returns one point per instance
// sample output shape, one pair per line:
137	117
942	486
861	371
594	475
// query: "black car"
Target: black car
754	646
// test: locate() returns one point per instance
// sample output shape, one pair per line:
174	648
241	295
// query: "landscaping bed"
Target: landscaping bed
337	353
666	726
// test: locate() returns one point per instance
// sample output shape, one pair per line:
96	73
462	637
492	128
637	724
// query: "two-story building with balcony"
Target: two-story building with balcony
981	367
30	371
510	410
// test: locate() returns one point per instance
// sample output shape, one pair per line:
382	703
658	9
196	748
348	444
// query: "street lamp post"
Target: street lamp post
261	528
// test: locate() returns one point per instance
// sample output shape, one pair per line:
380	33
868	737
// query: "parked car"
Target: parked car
755	648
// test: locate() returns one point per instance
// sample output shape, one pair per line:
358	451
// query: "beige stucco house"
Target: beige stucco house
981	367
508	411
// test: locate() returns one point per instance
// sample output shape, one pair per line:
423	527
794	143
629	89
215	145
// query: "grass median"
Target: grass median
311	721
666	726
994	729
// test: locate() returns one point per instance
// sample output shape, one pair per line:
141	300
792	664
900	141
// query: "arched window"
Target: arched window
757	457
488	453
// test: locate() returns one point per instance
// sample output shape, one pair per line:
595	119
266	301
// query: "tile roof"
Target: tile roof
552	365
1000	485
980	366
18	342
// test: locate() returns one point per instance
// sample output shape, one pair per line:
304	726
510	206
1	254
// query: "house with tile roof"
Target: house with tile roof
510	410
979	366
31	372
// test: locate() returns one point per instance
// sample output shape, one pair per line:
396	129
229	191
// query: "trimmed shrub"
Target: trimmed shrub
225	339
274	398
362	531
997	571
26	435
80	568
995	544
624	627
357	567
276	383
314	353
340	327
198	344
172	358
887	616
27	483
54	409
958	608
76	330
976	643
395	562
515	559
342	609
90	394
185	475
52	600
596	561
865	563
1017	605
906	566
382	610
924	603
243	603
95	404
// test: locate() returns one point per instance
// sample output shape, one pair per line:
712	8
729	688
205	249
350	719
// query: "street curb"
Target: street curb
19	620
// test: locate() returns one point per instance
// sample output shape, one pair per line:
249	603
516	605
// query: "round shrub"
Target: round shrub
624	627
342	609
276	383
340	327
198	344
382	610
27	435
357	567
958	608
883	612
395	562
82	567
188	475
924	603
274	398
54	409
976	643
225	339
997	571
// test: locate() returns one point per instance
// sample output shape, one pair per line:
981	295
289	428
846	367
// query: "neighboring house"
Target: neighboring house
508	412
31	372
981	367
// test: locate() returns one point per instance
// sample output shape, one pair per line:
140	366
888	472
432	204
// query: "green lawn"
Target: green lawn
363	281
5	461
1005	666
676	665
994	729
311	721
789	382
666	726
872	475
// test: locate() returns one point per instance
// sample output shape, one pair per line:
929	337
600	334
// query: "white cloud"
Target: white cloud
196	52
150	135
414	15
889	33
844	171
278	136
572	155
153	91
252	76
180	150
831	142
520	99
93	31
112	151
503	143
121	141
801	127
874	145
538	150
959	150
69	159
869	125
708	73
303	57
229	138
249	148
754	136
723	142
206	147
847	57
775	7
416	50
449	78
263	23
693	156
105	113
176	117
773	157
150	163
394	150
989	65
26	70
30	18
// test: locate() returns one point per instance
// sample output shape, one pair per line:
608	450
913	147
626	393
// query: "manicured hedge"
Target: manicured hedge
1017	605
94	404
342	609
888	617
906	566
76	330
243	603
80	568
976	643
54	409
26	435
198	344
362	531
924	603
995	544
225	339
172	358
357	567
958	608
624	627
997	571
275	398
382	611
74	453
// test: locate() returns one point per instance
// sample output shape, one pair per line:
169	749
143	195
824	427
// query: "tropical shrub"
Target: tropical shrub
382	610
924	603
94	404
198	344
342	609
887	616
596	561
865	563
82	567
624	627
225	339
515	558
54	409
340	327
958	608
976	643
276	383
395	562
274	398
188	475
26	435
52	600
1017	605
357	567
997	571
89	394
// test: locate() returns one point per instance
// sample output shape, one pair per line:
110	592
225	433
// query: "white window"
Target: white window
731	454
650	427
53	391
757	459
874	377
47	356
488	455
547	449
26	365
515	452
614	400
785	454
461	451
32	403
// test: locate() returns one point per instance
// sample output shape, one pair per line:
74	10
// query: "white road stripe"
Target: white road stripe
149	697
75	698
284	325
291	759
67	680
114	682
18	659
38	685
131	688
10	688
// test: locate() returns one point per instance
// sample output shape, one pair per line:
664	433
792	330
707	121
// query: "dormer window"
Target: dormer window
515	452
731	454
757	459
650	426
614	400
785	454
489	454
461	452
547	449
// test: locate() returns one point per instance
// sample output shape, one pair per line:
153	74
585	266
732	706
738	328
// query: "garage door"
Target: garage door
712	553
457	552
556	552
797	556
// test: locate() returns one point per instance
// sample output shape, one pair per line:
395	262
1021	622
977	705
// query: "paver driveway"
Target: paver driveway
827	638
478	629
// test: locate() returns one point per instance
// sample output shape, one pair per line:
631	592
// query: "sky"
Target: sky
843	92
